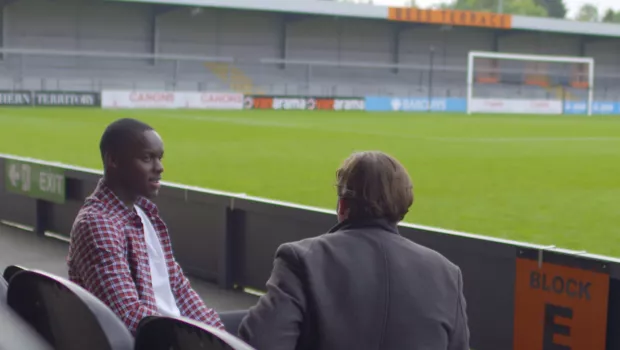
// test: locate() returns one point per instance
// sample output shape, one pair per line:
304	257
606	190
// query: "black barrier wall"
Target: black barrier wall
231	240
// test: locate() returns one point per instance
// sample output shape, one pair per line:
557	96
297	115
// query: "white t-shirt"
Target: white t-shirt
166	303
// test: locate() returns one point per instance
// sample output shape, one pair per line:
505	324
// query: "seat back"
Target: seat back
4	286
232	320
15	333
11	270
65	314
171	333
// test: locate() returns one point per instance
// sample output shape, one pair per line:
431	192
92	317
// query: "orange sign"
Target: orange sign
451	17
325	104
262	103
559	307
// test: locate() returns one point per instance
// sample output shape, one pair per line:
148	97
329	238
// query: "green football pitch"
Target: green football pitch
538	179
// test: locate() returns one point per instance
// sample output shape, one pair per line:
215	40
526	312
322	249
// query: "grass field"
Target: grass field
547	180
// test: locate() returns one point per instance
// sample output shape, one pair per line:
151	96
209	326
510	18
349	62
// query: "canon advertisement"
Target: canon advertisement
304	103
171	100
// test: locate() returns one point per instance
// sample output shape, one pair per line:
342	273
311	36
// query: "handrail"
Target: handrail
109	54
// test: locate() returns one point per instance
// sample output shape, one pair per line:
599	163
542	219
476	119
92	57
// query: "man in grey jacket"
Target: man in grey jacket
362	285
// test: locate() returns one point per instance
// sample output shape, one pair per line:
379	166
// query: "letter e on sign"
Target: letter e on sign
559	307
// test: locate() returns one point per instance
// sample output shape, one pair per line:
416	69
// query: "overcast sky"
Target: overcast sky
572	5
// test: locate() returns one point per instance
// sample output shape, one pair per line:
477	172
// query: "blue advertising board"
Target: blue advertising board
598	107
415	104
459	105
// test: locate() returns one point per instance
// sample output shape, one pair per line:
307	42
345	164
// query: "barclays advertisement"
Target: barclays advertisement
598	107
459	105
415	104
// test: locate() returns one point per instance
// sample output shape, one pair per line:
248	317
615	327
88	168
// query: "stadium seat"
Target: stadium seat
65	314
11	270
15	334
232	320
4	285
165	333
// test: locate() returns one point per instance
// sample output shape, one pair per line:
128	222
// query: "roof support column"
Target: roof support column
397	31
282	36
283	32
496	37
156	12
4	16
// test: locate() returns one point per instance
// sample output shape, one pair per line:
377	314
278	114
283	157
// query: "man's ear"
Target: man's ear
109	162
343	209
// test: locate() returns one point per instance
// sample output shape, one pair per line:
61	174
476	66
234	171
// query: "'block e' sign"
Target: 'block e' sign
559	307
559	285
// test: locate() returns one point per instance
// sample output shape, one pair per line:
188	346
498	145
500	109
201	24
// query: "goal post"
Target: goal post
528	84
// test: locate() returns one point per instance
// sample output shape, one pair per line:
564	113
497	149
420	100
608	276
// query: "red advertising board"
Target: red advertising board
258	102
304	103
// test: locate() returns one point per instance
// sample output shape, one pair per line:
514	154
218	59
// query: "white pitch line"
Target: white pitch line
524	139
257	122
351	130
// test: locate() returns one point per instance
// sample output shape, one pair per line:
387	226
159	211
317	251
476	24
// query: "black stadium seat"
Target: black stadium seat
4	285
11	270
232	320
65	314
168	333
15	333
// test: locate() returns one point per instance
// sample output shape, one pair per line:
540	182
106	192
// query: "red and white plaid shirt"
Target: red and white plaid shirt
108	257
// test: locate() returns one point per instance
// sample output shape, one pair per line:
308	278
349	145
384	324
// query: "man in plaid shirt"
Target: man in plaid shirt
120	250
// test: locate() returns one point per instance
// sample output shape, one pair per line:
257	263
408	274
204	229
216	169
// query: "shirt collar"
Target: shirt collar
104	194
382	224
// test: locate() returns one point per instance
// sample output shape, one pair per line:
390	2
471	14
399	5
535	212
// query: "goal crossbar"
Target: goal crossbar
525	57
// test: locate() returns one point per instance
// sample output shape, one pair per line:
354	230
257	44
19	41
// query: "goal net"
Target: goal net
529	84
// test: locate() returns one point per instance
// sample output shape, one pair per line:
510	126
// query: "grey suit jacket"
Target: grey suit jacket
360	286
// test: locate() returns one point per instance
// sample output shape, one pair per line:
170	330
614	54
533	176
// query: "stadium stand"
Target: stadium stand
91	45
70	45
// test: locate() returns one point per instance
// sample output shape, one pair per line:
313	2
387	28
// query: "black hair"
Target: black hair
120	134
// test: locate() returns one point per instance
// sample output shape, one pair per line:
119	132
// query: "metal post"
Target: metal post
308	79
22	69
42	216
175	75
500	6
430	78
563	99
590	85
3	28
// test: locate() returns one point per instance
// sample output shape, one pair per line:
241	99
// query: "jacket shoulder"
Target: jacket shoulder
425	258
294	253
430	254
